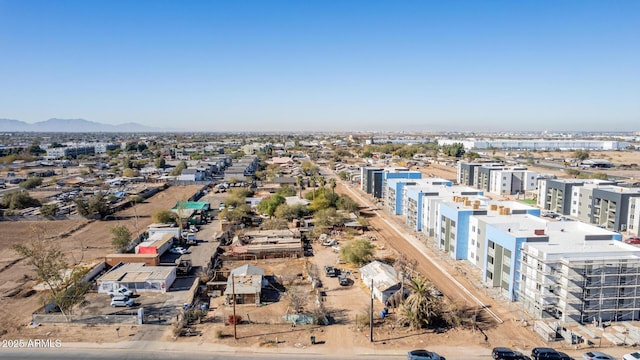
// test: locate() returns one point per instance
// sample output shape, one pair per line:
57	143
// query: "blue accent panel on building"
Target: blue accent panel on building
509	242
533	212
461	217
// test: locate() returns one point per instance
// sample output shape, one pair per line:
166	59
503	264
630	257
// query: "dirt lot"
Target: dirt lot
81	240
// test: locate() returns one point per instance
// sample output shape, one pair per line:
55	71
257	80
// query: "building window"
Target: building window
473	229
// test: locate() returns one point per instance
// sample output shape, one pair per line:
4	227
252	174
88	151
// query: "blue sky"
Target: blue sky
324	65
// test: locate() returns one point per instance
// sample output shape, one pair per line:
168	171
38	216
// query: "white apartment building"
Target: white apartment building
580	274
512	181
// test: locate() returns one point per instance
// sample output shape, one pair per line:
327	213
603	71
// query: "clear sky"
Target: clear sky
324	65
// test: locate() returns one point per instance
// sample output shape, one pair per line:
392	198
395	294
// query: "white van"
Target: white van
632	356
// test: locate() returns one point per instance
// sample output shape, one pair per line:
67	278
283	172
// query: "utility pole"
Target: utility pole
233	297
371	315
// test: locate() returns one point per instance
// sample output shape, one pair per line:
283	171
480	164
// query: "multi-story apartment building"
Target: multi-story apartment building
491	212
633	220
430	209
70	151
396	173
482	175
394	191
610	206
467	171
457	235
510	181
555	194
582	274
366	176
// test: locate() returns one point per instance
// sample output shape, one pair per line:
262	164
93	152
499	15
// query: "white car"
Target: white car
121	301
178	250
123	291
632	356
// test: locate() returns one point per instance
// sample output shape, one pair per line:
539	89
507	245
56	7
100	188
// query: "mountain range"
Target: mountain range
72	125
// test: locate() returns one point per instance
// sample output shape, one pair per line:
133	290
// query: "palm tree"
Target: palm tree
299	183
421	307
312	183
322	181
332	185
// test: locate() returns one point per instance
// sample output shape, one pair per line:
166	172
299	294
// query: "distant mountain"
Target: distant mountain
72	125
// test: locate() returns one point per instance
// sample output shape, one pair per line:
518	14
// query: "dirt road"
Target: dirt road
494	317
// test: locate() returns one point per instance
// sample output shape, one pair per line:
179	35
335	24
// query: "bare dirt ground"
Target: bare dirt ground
264	331
81	240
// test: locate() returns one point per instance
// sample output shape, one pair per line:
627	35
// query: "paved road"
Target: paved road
118	354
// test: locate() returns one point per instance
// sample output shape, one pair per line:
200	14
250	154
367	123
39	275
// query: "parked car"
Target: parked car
122	291
504	353
543	353
597	355
344	281
632	356
423	355
550	214
329	242
178	250
632	240
330	271
118	301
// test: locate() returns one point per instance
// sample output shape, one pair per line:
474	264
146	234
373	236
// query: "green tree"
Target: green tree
19	200
93	206
319	203
178	169
309	168
343	175
421	307
164	216
121	237
274	224
269	205
582	155
358	252
326	218
50	266
31	182
49	209
346	203
471	155
130	173
285	191
160	163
